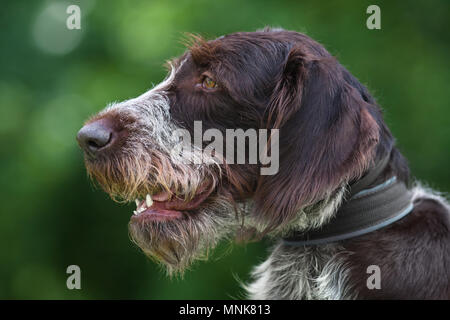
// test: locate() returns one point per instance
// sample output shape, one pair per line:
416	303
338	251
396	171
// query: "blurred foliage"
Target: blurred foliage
52	79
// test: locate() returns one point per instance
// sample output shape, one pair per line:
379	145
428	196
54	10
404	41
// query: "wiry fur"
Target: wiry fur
420	191
324	271
148	151
178	245
331	132
147	164
307	218
318	272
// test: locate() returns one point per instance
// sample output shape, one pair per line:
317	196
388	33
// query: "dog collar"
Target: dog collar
367	210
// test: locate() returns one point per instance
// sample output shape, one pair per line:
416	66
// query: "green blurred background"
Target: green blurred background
52	79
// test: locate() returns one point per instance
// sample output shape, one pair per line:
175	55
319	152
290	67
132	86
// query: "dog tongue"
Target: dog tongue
165	201
161	201
177	204
162	196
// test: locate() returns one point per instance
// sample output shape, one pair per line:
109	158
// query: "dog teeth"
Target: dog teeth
142	209
142	205
148	201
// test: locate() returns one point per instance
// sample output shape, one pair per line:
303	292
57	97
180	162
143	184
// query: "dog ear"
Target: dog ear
287	96
327	136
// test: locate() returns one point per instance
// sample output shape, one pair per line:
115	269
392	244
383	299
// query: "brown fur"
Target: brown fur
331	132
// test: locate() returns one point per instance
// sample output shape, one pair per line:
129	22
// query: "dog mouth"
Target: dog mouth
163	206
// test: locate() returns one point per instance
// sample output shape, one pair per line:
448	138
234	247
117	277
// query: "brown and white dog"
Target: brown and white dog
331	132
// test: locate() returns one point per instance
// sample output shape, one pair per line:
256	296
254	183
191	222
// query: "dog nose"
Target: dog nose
95	136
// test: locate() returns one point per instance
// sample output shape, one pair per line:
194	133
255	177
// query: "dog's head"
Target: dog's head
257	82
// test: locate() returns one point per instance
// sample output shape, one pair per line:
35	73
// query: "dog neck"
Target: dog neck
366	210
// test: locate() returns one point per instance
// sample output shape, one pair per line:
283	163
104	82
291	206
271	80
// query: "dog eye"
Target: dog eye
209	83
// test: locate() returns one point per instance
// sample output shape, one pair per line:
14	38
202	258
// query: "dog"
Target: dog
346	219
